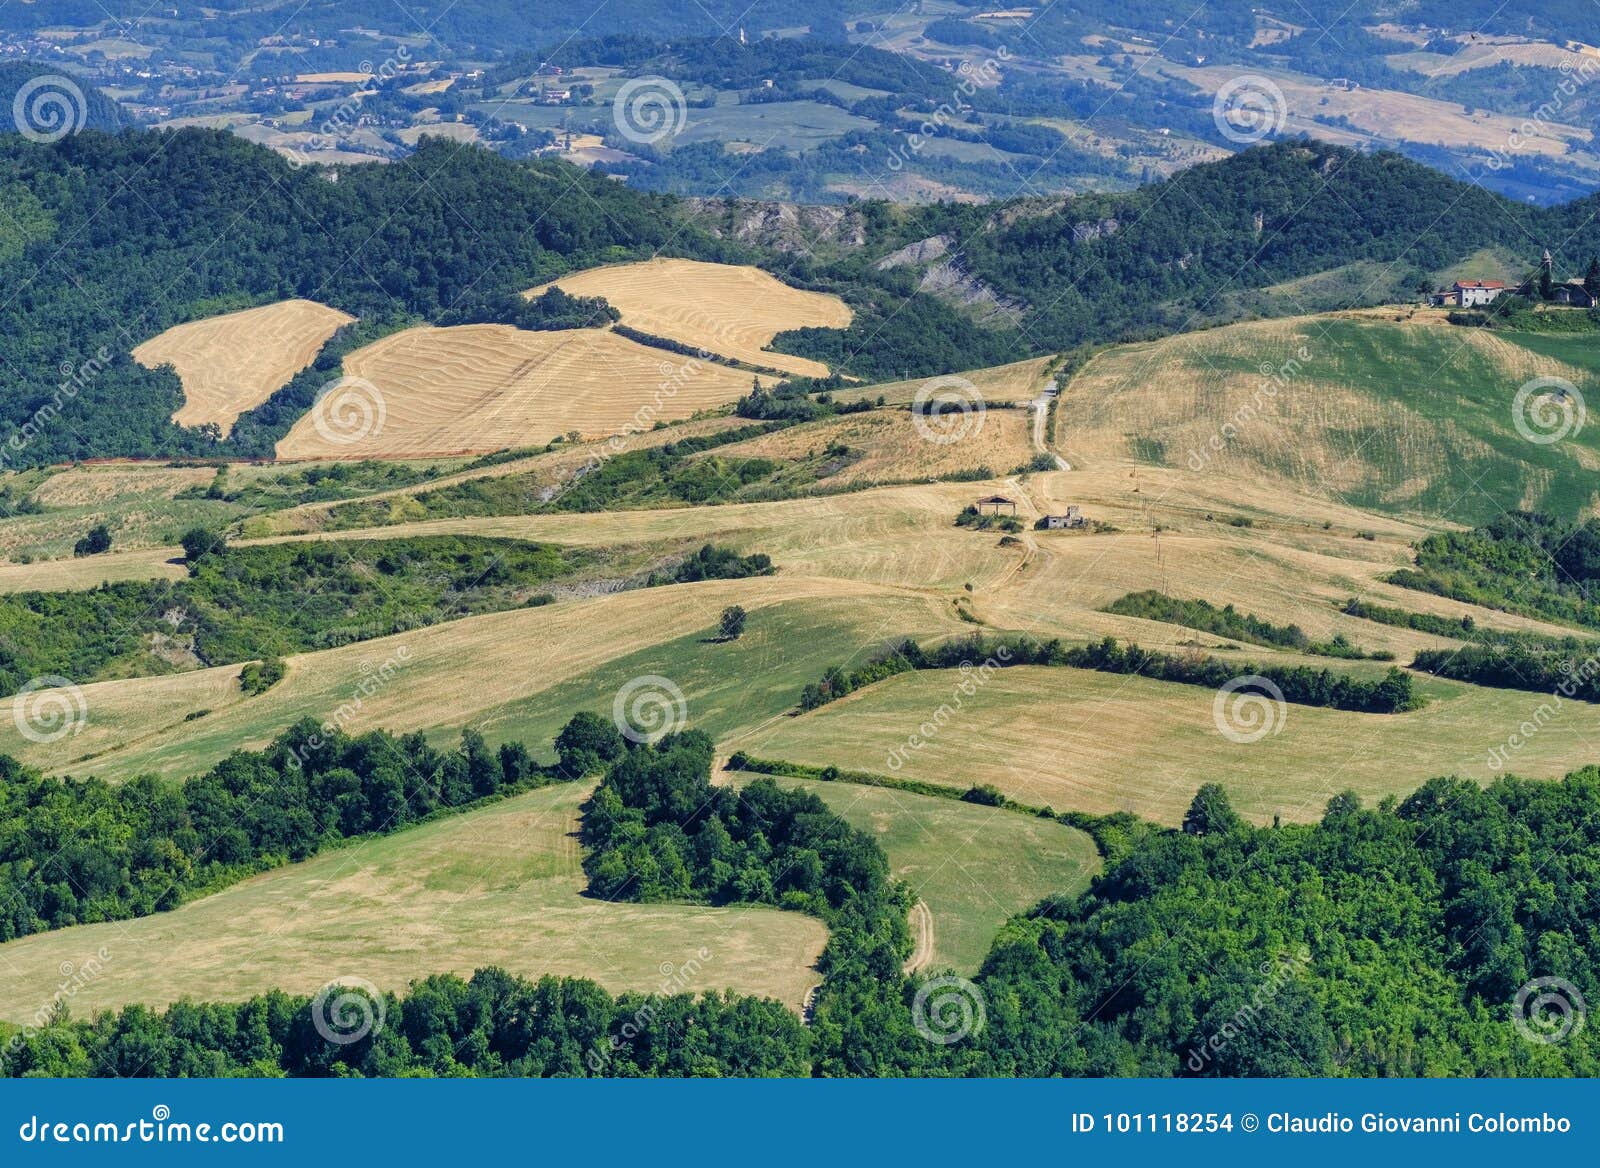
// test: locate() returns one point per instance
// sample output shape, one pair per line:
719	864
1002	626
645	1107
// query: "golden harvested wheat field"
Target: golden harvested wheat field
232	363
728	309
485	387
502	885
84	486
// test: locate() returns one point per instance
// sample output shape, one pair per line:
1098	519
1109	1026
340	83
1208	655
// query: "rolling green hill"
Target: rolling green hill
1386	411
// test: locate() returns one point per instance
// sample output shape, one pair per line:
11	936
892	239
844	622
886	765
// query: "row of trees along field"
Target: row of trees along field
1392	693
1376	941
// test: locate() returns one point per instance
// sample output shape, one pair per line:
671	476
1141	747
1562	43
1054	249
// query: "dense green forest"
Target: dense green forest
1389	941
266	600
77	851
78	107
1109	267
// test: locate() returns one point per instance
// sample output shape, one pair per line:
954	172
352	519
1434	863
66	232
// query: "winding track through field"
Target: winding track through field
1040	407
921	921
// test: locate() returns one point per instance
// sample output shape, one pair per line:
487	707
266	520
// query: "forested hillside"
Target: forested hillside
137	232
98	112
116	238
1155	260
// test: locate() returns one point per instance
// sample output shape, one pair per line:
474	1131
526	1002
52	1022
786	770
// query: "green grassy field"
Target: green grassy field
1389	415
1095	742
974	867
727	686
776	125
502	885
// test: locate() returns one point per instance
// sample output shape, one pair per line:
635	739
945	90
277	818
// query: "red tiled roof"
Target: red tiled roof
1480	284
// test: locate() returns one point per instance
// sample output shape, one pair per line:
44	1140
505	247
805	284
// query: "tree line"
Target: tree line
1396	940
1392	693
